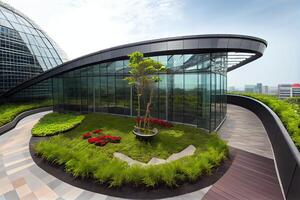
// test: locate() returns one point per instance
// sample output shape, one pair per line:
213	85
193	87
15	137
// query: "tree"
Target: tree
143	74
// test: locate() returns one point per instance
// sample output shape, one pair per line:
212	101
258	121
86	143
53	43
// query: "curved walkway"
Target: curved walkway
21	178
251	176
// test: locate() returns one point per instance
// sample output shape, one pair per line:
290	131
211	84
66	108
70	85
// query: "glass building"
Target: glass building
191	91
25	49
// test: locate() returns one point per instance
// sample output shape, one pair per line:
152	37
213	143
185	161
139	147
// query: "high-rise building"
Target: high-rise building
25	49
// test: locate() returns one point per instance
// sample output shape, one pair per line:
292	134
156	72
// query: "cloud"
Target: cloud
92	25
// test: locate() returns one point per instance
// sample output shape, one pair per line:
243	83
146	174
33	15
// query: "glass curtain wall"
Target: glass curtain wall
192	91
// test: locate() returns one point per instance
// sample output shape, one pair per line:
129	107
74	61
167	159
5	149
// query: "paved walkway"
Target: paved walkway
21	178
244	130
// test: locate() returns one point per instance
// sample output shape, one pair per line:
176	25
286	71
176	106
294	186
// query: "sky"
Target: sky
85	26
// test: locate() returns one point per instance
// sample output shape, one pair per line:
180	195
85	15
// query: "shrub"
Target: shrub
9	111
55	123
85	160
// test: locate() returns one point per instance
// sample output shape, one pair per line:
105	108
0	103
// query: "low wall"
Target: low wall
287	156
13	123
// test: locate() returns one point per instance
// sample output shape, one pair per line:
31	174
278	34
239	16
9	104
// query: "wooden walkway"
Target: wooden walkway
249	177
252	174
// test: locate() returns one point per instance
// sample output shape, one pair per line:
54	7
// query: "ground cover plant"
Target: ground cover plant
54	123
83	159
10	110
287	110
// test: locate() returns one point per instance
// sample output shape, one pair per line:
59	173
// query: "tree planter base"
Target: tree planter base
138	132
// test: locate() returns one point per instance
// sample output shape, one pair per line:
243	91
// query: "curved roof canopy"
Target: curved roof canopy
241	50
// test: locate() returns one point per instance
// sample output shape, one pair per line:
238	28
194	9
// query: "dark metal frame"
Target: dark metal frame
173	45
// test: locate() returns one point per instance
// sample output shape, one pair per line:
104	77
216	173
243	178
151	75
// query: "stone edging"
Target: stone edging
188	151
10	125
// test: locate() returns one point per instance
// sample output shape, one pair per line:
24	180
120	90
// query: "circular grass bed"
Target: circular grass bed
54	123
85	160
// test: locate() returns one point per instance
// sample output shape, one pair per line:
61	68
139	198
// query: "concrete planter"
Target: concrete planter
140	134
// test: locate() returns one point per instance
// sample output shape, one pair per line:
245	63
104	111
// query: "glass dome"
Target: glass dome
25	49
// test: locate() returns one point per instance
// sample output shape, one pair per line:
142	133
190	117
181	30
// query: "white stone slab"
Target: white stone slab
190	150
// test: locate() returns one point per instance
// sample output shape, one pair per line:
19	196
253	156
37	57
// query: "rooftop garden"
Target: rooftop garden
103	146
288	111
10	110
83	158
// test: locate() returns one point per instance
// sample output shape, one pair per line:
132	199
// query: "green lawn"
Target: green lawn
54	123
288	111
83	159
9	111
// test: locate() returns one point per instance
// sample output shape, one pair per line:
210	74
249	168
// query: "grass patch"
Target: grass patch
87	160
54	123
287	110
9	111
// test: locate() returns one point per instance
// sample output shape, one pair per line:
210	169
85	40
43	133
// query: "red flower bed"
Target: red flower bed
101	142
156	121
86	135
104	139
92	140
97	131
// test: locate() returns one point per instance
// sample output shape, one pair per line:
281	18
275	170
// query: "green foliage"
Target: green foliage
143	74
54	123
85	160
9	111
287	110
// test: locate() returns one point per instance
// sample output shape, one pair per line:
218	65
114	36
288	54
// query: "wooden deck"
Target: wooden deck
249	177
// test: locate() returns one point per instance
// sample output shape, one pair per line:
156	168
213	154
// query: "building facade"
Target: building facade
288	90
25	49
192	91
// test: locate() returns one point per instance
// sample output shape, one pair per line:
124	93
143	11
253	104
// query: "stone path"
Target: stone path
21	178
188	151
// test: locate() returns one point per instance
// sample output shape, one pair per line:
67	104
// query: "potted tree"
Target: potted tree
143	76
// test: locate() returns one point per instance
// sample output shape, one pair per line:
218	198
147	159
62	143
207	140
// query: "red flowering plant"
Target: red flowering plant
97	131
156	121
86	135
93	140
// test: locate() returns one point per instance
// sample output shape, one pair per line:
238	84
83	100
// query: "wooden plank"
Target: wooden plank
249	177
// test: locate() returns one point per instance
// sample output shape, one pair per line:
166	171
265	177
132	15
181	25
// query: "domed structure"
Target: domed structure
25	49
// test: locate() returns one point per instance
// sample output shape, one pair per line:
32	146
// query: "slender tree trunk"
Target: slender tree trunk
147	114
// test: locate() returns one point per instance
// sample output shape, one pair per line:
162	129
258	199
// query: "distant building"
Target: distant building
250	88
295	90
284	91
288	90
272	90
265	89
259	87
231	89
